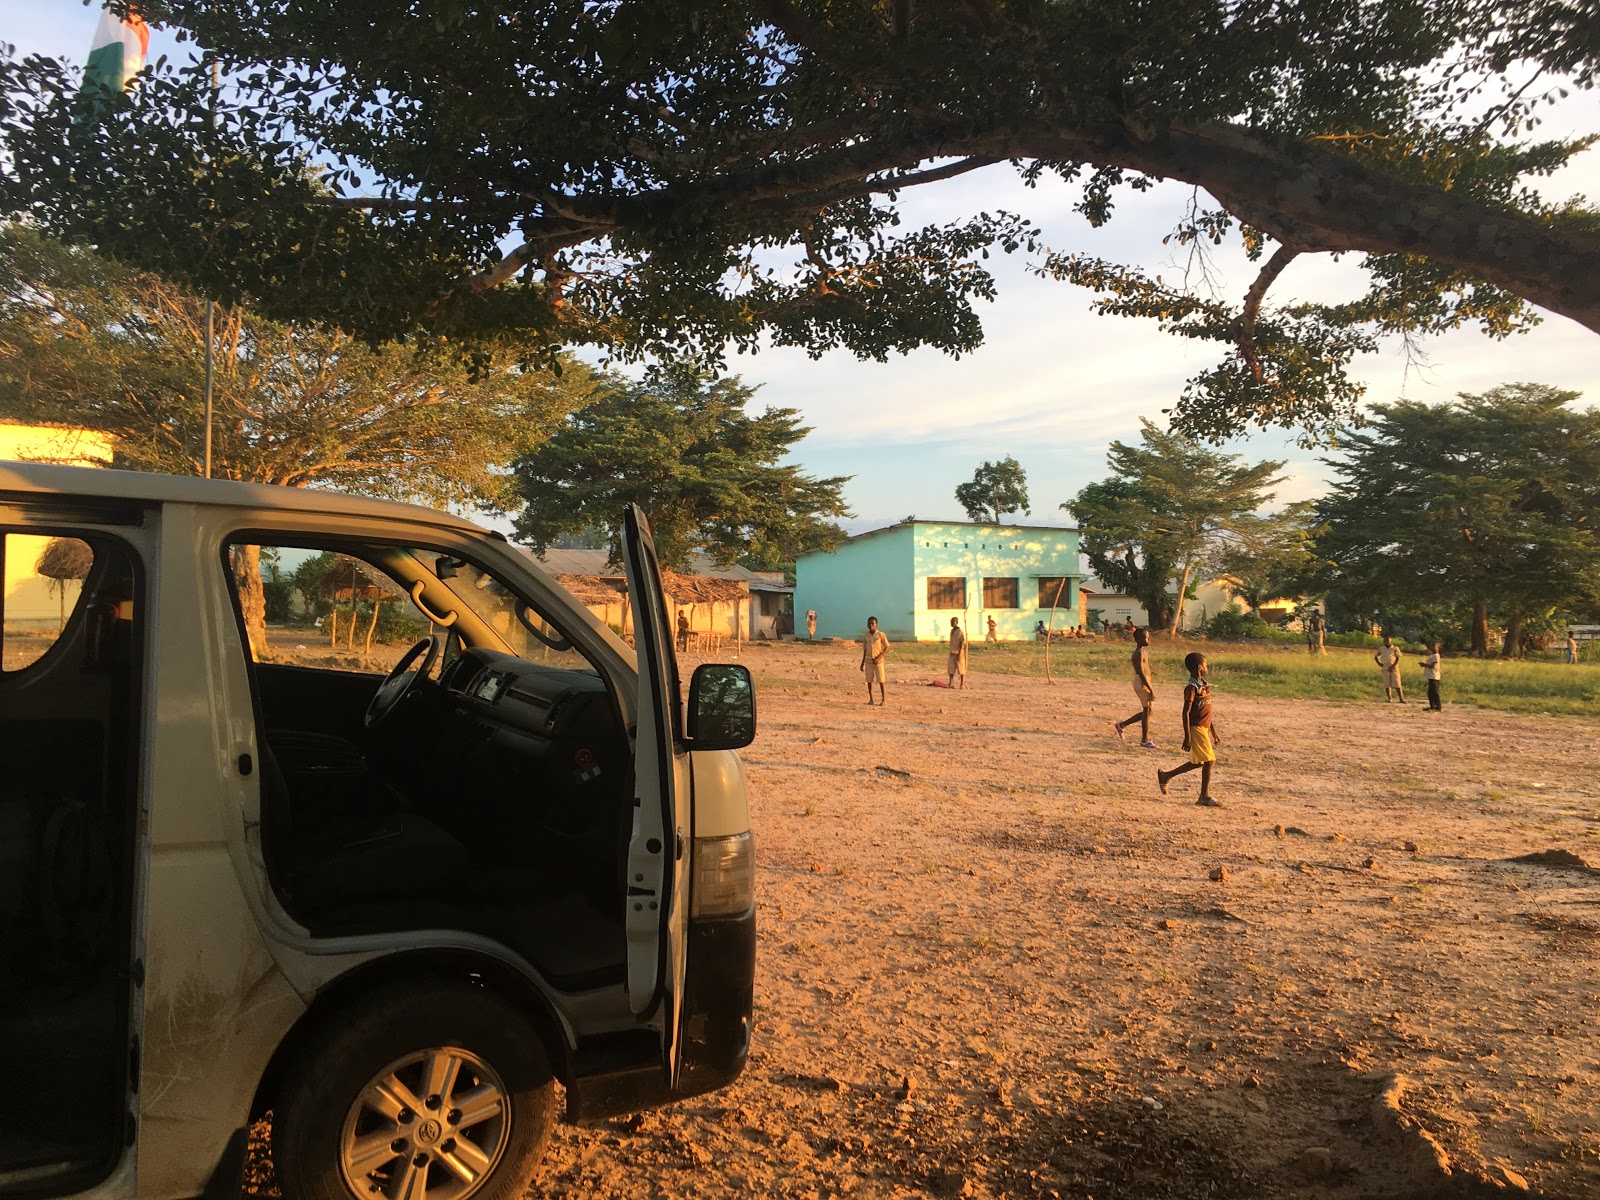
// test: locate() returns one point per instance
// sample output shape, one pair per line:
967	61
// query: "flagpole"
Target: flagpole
216	86
209	307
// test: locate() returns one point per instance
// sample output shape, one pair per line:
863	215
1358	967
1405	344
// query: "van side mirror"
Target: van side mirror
722	707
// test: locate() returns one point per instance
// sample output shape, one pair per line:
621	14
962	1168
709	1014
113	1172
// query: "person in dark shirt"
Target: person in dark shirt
1199	732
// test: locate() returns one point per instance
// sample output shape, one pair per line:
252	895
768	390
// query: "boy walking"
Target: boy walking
1432	666
874	649
1142	688
1388	659
1199	734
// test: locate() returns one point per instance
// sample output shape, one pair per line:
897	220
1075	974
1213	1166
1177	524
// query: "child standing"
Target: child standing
1388	659
958	654
1199	734
1142	688
874	649
1432	666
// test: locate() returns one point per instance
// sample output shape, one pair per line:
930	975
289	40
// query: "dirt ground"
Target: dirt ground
994	961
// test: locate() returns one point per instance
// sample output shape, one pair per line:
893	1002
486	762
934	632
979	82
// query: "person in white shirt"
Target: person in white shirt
1432	668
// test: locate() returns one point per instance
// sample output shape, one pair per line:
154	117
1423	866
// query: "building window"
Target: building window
947	592
1055	591
1000	593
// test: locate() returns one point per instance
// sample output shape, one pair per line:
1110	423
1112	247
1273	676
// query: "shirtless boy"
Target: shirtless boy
1142	688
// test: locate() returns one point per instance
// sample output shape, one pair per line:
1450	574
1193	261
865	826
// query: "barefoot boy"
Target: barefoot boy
1388	659
1142	688
874	648
958	654
1199	735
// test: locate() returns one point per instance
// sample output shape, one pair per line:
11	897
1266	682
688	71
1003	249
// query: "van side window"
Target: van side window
43	589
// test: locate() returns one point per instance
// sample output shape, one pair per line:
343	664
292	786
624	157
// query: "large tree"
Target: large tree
995	489
1272	556
1490	502
668	174
1170	509
87	342
682	444
90	343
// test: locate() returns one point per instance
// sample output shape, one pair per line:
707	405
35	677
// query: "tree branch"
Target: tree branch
1243	329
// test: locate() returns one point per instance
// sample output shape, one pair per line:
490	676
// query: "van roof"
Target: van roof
181	489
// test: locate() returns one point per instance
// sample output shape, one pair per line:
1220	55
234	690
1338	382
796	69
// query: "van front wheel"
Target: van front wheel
444	1093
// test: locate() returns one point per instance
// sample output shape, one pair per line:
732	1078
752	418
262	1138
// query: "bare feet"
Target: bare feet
1161	779
1117	725
1209	802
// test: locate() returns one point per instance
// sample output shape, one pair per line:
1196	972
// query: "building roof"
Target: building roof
597	564
912	525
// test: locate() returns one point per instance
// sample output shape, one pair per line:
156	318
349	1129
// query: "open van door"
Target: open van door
658	850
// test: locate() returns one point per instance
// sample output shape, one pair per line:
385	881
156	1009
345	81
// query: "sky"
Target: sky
1053	384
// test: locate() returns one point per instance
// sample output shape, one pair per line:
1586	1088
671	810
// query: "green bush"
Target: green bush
280	600
394	624
1230	625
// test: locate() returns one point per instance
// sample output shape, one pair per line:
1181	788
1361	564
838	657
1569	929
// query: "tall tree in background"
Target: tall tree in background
996	489
1490	501
1272	556
87	342
681	444
1170	509
679	175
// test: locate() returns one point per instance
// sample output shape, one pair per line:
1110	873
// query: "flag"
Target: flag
117	54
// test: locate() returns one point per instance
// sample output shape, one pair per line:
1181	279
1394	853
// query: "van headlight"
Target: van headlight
724	876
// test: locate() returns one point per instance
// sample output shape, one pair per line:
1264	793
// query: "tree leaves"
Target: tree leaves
995	489
676	178
681	443
1490	499
87	342
1170	509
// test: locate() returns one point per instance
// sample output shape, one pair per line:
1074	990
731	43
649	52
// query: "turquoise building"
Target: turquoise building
916	575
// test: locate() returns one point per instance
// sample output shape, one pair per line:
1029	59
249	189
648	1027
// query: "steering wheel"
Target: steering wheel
402	680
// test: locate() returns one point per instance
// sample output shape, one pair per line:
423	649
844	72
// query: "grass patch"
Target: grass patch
1285	672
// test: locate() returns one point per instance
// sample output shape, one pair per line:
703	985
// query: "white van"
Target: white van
391	910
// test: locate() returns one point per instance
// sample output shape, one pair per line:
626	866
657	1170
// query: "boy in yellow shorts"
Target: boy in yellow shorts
1199	734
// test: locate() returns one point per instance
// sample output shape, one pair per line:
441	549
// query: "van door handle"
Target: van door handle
246	764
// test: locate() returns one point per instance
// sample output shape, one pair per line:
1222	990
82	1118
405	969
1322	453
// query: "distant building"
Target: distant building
1103	605
732	602
32	600
916	575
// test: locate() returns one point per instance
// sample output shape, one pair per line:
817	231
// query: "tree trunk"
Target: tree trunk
1513	639
366	650
252	597
1050	631
1480	627
1183	590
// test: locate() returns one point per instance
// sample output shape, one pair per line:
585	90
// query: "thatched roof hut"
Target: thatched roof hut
702	589
65	558
349	580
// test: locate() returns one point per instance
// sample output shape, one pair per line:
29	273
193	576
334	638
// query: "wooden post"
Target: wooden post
333	625
366	650
1050	633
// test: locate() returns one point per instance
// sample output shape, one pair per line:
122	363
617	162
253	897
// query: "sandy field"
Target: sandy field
994	961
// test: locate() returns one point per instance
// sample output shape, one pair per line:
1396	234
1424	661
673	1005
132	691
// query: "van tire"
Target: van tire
355	1110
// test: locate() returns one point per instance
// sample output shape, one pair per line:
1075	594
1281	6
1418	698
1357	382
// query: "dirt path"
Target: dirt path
994	962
